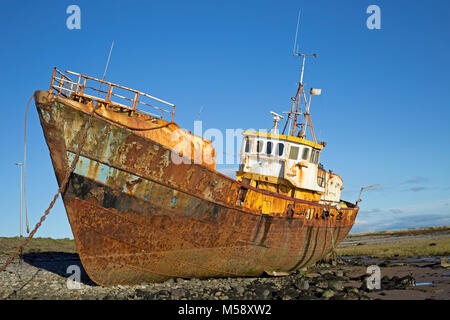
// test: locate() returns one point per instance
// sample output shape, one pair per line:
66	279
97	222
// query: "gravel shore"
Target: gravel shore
44	276
45	269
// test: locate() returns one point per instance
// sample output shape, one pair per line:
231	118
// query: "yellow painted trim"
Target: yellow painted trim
283	137
265	182
264	178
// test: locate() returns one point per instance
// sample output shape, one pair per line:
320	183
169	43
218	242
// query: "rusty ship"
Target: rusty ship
143	206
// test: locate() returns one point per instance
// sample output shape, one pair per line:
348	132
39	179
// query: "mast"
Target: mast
296	100
300	90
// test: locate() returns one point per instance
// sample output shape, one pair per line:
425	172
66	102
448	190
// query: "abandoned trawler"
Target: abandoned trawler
139	216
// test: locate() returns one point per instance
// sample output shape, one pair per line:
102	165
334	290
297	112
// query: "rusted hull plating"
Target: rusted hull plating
138	217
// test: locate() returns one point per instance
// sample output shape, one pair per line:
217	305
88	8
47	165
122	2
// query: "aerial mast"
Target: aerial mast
300	90
296	100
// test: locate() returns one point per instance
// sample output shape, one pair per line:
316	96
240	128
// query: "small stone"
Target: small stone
178	293
291	292
302	285
262	291
328	294
266	293
313	275
240	289
339	273
335	285
324	272
445	263
353	290
120	296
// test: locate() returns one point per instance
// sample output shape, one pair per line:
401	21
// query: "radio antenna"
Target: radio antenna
107	63
289	119
296	33
292	118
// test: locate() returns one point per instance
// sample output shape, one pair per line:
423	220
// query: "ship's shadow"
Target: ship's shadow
58	263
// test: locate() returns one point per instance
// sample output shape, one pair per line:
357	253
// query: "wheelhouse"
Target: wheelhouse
269	160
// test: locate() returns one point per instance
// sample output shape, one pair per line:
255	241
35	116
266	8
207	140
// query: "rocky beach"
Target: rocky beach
42	273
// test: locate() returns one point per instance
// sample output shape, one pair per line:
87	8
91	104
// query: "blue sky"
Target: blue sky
384	109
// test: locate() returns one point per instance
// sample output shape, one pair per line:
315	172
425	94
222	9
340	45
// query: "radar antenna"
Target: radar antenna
276	118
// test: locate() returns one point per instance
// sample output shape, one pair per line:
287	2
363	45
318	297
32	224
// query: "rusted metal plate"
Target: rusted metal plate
136	216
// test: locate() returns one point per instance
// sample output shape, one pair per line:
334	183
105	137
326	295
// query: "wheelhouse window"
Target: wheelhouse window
315	156
259	146
305	153
293	153
321	178
269	147
280	149
247	144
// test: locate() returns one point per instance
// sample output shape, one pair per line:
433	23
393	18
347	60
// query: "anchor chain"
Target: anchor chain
61	189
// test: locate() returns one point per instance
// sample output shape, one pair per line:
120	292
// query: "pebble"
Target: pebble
302	285
335	285
328	294
240	289
313	275
445	263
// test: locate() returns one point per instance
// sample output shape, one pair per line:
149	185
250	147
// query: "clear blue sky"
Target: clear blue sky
384	110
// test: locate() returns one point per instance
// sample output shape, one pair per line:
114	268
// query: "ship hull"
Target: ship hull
137	216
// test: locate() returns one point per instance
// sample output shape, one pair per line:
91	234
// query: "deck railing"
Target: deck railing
85	87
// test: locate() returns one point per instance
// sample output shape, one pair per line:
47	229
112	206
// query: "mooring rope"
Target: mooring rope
55	197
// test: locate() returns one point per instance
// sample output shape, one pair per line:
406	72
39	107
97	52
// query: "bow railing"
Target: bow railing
85	88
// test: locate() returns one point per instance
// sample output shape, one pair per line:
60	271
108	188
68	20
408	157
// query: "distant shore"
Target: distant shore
433	241
415	231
